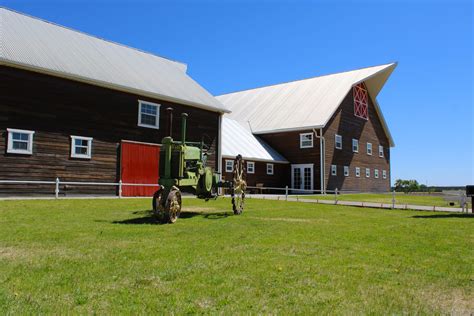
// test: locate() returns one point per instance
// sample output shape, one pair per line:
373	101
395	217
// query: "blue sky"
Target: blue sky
234	45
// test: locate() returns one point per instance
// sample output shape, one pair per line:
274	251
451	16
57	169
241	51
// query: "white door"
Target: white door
302	177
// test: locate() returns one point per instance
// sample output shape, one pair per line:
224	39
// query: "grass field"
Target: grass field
400	198
109	256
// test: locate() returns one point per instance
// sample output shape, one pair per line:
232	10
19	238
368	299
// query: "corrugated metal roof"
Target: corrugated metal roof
308	103
39	45
236	139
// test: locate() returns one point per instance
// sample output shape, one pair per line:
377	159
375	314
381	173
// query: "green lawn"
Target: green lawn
400	198
109	256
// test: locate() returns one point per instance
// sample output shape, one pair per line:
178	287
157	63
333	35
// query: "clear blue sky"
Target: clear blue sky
233	45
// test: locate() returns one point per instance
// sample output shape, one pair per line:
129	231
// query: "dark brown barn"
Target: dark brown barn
80	108
330	129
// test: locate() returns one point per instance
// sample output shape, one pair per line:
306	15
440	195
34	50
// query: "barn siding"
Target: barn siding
347	125
56	108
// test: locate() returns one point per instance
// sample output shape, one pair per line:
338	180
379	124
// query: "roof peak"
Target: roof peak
3	8
309	78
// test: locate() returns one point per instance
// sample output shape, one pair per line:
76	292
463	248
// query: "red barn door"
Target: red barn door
139	164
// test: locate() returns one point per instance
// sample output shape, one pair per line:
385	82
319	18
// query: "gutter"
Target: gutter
322	153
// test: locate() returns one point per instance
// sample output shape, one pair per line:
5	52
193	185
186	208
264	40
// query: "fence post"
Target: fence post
393	199
286	193
56	191
120	189
335	196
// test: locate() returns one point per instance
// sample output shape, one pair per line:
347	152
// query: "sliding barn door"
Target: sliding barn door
139	164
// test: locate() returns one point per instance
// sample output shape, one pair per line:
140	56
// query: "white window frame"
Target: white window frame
376	173
367	172
336	137
301	140
228	163
250	163
157	123
369	149
11	150
384	174
73	147
333	170
270	169
380	151
357	172
356	143
346	171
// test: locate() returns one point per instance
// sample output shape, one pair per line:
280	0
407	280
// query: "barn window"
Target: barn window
81	147
367	172
369	149
306	140
20	141
269	168
376	173
148	114
357	172
250	167
346	171
355	145
384	174
334	170
380	151
229	165
361	108
338	141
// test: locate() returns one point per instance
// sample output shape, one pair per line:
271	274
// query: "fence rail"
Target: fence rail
287	192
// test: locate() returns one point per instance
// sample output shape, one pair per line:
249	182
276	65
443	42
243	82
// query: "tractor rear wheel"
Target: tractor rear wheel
239	185
172	206
158	204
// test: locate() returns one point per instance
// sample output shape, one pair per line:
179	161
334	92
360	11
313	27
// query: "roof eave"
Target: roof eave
104	84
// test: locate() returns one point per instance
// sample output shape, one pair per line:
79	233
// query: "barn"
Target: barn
328	132
84	109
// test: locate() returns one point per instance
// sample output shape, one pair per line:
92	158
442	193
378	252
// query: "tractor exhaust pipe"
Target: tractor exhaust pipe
170	121
184	117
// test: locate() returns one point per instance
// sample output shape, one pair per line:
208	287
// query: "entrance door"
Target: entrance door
139	164
302	177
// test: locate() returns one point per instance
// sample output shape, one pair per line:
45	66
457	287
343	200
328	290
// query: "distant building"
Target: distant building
320	133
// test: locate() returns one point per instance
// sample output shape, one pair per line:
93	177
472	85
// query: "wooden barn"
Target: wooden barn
84	109
329	131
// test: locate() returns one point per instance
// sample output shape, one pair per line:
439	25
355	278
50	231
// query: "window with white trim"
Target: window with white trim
20	141
357	172
333	170
269	168
367	172
338	141
346	171
369	149
384	174
376	173
306	140
380	151
148	114
250	167
355	145
229	166
81	147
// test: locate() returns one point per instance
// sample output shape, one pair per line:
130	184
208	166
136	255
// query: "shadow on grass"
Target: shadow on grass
149	219
445	216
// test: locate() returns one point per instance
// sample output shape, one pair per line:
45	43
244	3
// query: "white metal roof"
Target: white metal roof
236	139
38	45
303	104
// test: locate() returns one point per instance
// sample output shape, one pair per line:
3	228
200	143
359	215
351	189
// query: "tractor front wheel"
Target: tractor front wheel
172	206
158	204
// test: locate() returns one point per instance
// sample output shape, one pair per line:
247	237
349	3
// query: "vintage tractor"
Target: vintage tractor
183	167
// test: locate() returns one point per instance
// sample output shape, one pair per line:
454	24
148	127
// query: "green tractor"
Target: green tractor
183	167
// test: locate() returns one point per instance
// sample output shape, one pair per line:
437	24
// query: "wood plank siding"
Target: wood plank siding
344	123
57	108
